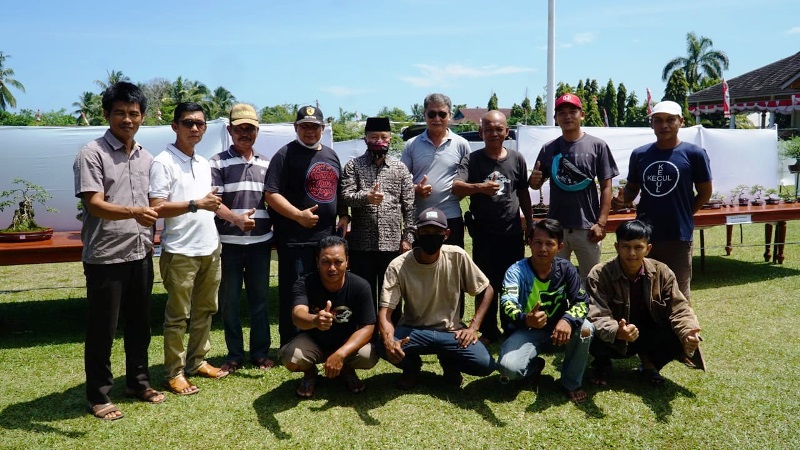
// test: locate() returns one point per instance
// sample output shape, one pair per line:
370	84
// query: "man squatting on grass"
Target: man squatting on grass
335	313
111	179
638	309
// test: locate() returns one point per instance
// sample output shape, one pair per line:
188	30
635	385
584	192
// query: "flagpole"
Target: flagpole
551	63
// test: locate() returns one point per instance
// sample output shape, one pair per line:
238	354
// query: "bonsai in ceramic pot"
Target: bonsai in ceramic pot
756	190
790	149
23	224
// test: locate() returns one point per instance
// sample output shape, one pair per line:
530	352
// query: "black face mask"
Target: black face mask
430	243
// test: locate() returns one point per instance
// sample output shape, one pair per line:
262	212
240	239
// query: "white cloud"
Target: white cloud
583	38
793	30
342	91
431	75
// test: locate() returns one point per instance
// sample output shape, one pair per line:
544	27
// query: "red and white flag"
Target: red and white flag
38	115
649	102
159	115
726	100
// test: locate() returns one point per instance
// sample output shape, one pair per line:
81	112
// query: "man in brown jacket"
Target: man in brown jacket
636	308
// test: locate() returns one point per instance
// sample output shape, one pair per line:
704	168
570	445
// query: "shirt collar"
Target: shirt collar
116	144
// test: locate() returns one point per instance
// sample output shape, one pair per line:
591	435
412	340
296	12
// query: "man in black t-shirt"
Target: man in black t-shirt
335	312
302	190
495	178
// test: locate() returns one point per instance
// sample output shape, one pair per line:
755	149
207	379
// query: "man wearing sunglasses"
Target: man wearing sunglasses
433	158
572	162
668	173
180	188
302	192
245	231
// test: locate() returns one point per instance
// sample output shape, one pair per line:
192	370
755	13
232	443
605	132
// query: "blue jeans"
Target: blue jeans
520	349
248	263
473	360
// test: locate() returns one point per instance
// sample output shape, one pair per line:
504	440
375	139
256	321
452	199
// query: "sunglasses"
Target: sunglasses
188	123
433	114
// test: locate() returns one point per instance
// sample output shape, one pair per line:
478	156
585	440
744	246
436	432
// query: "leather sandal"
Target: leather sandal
206	370
179	385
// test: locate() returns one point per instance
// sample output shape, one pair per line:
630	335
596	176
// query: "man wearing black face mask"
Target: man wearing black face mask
380	194
429	281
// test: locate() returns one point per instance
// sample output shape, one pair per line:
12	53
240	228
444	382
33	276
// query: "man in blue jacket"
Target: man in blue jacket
546	306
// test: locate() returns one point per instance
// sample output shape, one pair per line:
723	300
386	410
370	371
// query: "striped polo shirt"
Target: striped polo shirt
241	185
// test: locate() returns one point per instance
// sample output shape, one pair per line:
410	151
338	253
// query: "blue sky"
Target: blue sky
362	55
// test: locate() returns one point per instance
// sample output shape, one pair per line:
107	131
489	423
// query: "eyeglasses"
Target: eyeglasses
189	123
433	114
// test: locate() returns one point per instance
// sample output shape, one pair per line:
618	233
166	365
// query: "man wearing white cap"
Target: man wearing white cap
668	172
572	162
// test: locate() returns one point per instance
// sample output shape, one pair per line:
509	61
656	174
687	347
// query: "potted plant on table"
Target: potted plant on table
756	190
790	149
23	225
772	196
737	193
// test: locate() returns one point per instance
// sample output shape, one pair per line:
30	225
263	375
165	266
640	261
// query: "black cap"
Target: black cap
310	114
377	124
432	216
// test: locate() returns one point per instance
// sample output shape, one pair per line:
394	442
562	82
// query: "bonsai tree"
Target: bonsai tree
737	193
790	148
24	196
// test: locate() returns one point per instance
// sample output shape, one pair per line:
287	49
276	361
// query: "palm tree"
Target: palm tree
219	103
89	104
114	76
6	98
700	62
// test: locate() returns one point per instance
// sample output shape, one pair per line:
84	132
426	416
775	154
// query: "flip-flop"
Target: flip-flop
231	366
263	363
101	410
148	395
306	387
574	395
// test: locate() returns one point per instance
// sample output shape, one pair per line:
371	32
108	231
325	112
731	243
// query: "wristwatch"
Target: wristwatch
192	206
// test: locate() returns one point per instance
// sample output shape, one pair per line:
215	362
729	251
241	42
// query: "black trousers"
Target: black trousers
494	254
371	266
660	344
294	261
112	289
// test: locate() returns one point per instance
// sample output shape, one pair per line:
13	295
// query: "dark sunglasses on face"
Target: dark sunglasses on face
188	123
433	114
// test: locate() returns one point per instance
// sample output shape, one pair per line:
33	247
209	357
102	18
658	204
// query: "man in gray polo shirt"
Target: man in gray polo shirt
111	179
245	230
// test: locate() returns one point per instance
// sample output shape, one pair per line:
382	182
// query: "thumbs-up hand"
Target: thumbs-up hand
536	178
423	189
210	202
307	217
324	318
375	196
491	187
245	222
535	318
627	332
691	342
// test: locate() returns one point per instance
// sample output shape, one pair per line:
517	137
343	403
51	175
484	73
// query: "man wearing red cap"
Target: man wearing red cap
572	162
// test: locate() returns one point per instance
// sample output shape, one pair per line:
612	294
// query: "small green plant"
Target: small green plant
756	190
24	196
790	148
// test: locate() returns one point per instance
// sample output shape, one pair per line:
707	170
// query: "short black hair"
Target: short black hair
124	91
333	241
187	107
633	230
552	227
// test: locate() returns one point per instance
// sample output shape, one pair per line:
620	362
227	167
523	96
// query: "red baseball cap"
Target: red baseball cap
571	99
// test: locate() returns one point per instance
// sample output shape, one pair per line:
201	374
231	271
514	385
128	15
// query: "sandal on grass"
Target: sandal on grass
307	385
263	363
148	395
601	375
352	382
231	366
206	370
652	376
102	411
181	386
577	396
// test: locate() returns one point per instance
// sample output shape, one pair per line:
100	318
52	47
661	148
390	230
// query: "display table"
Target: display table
731	215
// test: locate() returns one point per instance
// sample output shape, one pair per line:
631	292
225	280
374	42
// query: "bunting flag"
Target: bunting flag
86	121
158	115
38	115
649	102
726	100
605	117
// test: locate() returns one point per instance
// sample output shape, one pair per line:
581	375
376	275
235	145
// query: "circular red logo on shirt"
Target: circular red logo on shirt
322	181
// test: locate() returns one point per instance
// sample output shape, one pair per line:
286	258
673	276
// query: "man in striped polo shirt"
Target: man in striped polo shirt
246	233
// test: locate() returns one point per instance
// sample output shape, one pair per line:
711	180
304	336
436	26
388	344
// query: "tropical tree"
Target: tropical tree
417	113
610	103
182	91
678	91
622	95
6	98
492	105
219	103
635	115
700	61
395	114
285	113
155	91
113	76
88	106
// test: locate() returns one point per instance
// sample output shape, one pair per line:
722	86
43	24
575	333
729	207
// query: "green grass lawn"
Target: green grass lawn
747	399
